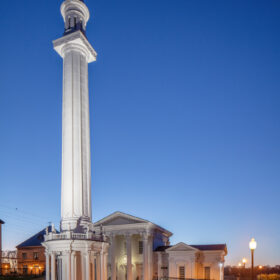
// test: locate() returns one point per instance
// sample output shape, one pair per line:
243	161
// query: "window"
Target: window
181	272
35	255
24	256
24	268
140	247
207	272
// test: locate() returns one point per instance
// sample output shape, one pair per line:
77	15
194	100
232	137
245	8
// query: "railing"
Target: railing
76	236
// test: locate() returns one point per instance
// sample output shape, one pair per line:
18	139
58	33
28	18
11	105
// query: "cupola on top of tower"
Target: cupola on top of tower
75	14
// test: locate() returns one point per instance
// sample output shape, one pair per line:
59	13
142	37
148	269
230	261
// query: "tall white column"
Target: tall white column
128	254
76	52
76	181
53	266
113	258
47	265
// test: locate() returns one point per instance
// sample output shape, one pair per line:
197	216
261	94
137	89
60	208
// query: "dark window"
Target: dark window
24	256
181	272
207	272
25	268
35	255
140	246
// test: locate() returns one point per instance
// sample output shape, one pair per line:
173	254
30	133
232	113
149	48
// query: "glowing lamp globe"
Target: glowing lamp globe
253	244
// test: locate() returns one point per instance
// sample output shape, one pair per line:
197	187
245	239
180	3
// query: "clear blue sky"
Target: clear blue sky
185	127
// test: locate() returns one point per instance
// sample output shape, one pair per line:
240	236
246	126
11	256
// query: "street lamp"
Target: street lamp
252	246
244	262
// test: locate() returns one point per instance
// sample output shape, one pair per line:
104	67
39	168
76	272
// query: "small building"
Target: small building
31	254
9	262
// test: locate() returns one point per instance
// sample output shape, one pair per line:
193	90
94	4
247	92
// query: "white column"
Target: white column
73	265
92	267
145	256
66	265
87	260
98	266
128	254
105	265
221	264
113	260
101	266
53	266
47	265
76	177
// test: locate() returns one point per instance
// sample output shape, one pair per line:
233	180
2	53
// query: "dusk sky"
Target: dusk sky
185	118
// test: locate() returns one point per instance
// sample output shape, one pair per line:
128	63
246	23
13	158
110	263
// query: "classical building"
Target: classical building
140	249
120	246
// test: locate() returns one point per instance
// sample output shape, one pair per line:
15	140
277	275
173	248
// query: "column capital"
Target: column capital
145	235
128	235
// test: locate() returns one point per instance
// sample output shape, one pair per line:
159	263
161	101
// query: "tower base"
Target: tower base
75	256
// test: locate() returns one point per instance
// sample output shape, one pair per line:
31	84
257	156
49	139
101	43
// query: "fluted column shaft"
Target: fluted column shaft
76	178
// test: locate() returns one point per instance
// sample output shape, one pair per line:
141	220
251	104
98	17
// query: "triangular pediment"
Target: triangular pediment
119	218
181	247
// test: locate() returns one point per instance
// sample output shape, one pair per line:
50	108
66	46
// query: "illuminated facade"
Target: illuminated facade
31	254
140	250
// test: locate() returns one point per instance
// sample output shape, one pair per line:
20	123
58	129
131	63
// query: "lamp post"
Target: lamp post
244	262
252	246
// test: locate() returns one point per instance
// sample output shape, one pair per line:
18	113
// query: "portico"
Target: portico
132	241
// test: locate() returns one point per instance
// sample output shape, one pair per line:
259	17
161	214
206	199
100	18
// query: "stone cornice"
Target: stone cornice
77	41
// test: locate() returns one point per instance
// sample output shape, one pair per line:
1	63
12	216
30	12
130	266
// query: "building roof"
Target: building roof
2	222
36	240
206	247
211	247
123	218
